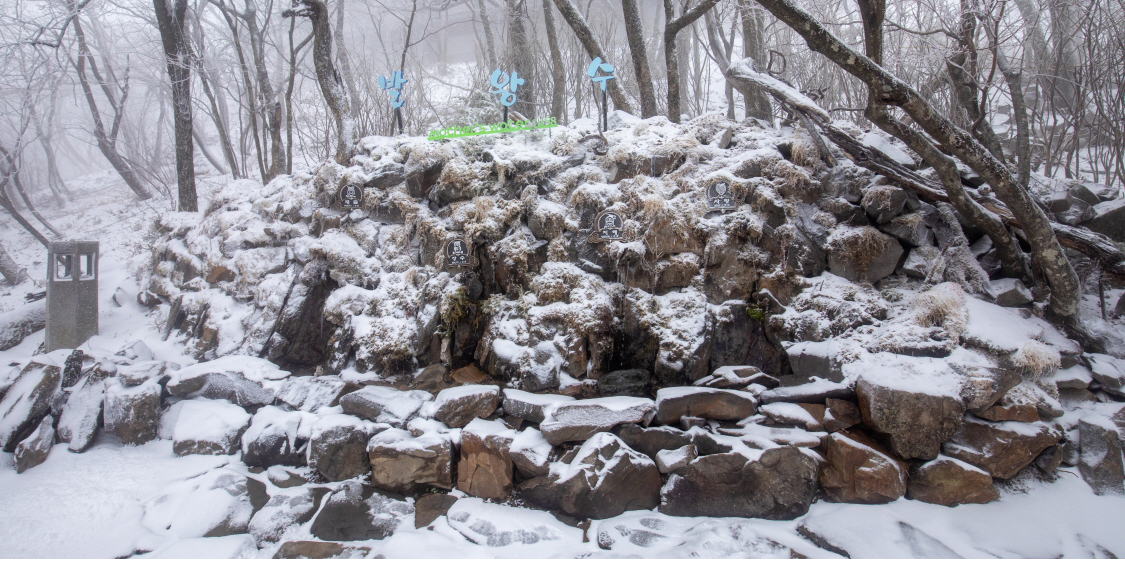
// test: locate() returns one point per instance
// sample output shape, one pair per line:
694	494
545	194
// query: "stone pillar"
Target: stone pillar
72	293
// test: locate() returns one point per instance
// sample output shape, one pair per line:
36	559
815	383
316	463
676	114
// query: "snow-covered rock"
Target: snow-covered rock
485	467
860	470
358	512
274	438
310	394
209	427
401	462
82	414
499	526
384	404
711	403
337	446
671	460
33	450
1000	448
460	405
215	504
285	509
132	413
581	419
950	482
234	378
26	401
1100	460
531	407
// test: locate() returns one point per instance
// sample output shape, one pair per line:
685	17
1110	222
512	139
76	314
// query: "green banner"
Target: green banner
474	130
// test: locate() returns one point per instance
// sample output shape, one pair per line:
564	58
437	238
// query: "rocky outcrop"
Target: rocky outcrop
1000	448
950	482
403	463
859	470
358	512
916	420
384	404
285	509
26	401
777	483
458	406
337	448
602	478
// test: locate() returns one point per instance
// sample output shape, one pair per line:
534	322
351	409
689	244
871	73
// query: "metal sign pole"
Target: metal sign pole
398	115
605	113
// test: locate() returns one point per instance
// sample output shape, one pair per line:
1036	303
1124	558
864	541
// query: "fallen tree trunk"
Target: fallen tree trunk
17	324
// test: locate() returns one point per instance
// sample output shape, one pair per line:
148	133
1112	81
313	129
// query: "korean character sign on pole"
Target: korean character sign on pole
393	86
592	71
506	87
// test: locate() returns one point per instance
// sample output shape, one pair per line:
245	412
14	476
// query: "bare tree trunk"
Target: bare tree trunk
558	73
1019	114
11	271
635	33
12	172
107	141
753	47
672	27
201	143
271	107
520	58
345	69
1065	289
585	36
487	25
330	85
170	20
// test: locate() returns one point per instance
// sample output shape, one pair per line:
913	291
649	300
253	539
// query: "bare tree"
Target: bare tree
171	21
635	33
585	36
558	71
672	27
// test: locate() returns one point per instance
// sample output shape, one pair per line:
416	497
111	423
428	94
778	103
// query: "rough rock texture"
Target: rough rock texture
668	461
581	419
652	440
402	463
531	453
1108	370
318	550
863	254
458	406
485	468
859	470
78	424
384	404
603	478
949	482
627	382
309	394
231	386
431	506
1010	292
338	447
1000	448
915	423
26	401
33	450
358	512
711	403
132	414
531	407
1100	460
778	484
1109	219
272	439
209	428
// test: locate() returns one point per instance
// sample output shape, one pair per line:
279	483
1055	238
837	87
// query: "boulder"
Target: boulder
208	427
33	450
217	503
310	394
285	508
628	382
338	446
318	550
403	463
431	506
859	470
1000	448
950	482
916	404
133	413
82	414
814	359
711	403
671	460
234	378
808	390
919	260
384	404
984	386
26	401
737	377
1106	369
883	202
531	453
581	419
137	373
531	407
652	440
863	254
358	512
273	439
433	378
1100	460
910	229
485	468
778	483
1016	412
1010	292
603	478
1109	219
458	406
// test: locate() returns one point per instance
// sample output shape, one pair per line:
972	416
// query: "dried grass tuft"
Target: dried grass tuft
942	306
1036	360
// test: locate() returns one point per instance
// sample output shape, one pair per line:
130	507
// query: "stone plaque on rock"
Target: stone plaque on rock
457	254
720	197
350	197
608	226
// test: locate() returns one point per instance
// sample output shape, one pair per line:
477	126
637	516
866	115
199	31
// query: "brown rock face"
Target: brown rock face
779	485
1000	448
403	463
1017	412
318	550
859	470
458	406
841	414
431	506
605	479
916	424
950	482
132	413
485	468
34	450
582	419
712	403
1100	459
